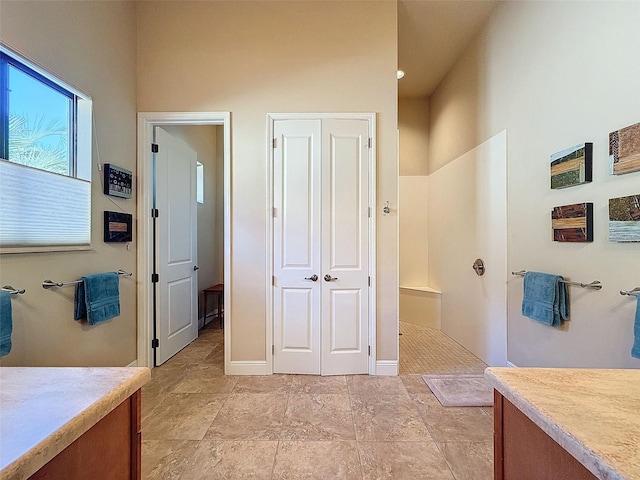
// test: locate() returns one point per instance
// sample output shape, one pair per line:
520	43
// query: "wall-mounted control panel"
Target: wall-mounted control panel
118	181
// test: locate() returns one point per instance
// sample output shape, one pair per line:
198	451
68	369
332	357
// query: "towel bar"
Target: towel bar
13	291
596	285
50	284
632	293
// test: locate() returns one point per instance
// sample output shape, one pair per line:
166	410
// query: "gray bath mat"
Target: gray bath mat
460	390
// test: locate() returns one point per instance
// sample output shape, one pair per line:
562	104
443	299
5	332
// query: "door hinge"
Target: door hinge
275	143
273	280
155	343
154	213
154	148
154	278
369	212
369	281
370	142
369	350
275	212
273	349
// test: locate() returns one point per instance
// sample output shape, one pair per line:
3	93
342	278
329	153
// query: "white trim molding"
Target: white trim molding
512	365
146	122
387	368
133	364
246	368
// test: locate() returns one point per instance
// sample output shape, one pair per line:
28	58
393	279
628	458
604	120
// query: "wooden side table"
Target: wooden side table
218	294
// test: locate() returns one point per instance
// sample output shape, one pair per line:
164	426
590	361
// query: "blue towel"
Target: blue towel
635	351
545	298
6	323
97	298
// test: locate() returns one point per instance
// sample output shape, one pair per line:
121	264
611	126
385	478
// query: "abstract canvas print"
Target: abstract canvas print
572	166
624	150
573	223
624	219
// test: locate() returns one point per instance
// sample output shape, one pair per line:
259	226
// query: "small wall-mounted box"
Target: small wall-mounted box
118	181
118	227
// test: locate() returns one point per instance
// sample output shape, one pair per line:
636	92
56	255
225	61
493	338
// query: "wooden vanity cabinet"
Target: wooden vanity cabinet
523	451
110	450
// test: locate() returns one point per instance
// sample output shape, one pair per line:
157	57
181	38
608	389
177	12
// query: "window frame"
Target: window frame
80	136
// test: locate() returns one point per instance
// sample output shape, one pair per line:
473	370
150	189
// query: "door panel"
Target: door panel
296	225
345	228
177	289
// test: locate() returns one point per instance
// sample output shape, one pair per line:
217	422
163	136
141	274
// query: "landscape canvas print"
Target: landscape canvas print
624	219
624	150
573	223
572	166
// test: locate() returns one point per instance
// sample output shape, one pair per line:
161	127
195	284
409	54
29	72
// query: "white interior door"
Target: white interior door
176	245
321	242
345	246
296	255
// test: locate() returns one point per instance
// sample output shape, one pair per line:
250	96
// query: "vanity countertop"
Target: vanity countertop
593	414
43	410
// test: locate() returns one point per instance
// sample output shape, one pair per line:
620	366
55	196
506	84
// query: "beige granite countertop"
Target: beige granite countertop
43	410
593	414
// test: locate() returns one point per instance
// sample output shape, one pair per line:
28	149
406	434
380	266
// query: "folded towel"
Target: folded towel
6	323
97	298
545	298
635	351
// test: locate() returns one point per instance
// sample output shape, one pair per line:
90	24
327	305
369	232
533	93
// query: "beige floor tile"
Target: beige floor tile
488	411
414	384
373	385
231	460
205	379
247	416
182	416
317	460
403	461
263	384
317	384
165	459
163	378
429	351
387	418
196	353
469	460
448	424
318	417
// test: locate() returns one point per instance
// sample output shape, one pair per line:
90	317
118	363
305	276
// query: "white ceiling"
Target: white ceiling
432	34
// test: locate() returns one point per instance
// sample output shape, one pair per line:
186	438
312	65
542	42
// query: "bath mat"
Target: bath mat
460	390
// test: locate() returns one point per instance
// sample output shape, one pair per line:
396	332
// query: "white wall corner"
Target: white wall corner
387	367
247	368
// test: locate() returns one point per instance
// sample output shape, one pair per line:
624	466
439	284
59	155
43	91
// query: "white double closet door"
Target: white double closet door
321	246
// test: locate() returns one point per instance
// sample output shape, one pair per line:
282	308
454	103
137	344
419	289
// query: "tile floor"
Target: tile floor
199	424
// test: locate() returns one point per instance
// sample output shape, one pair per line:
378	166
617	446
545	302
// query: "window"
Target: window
45	164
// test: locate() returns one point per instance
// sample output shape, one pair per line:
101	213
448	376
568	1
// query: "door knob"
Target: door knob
313	278
196	267
329	278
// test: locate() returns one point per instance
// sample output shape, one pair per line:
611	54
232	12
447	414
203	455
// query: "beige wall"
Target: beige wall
91	45
554	74
203	139
251	58
413	126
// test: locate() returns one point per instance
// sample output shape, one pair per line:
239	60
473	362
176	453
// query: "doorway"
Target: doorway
322	258
147	307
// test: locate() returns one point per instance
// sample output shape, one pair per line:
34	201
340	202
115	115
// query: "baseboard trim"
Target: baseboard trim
246	368
133	364
512	365
387	367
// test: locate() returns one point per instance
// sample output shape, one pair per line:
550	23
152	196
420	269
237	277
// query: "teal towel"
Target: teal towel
6	323
545	298
635	351
97	298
